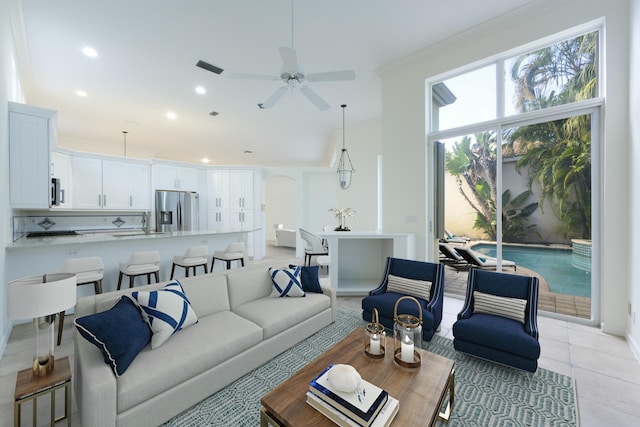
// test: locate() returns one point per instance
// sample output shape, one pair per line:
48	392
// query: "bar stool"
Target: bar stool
140	264
87	270
194	257
234	252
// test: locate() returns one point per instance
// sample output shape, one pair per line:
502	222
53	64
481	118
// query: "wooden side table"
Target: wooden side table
30	387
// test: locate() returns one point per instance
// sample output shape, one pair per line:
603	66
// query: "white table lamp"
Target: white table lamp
41	298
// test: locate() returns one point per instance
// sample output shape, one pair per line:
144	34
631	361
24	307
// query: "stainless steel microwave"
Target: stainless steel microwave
57	193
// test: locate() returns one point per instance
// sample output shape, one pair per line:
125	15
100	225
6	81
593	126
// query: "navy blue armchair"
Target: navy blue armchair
384	301
487	326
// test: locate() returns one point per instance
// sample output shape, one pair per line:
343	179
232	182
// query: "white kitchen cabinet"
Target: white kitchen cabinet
61	170
241	189
230	199
110	184
87	182
218	190
31	136
139	186
170	177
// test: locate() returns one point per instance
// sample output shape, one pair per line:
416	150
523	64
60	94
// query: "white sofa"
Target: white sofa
240	327
285	237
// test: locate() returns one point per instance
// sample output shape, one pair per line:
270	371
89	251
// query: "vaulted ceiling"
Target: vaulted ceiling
146	68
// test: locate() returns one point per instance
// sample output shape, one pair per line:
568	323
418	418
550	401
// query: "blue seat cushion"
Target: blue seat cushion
498	333
385	303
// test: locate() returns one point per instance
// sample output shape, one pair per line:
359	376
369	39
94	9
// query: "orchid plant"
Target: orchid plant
342	214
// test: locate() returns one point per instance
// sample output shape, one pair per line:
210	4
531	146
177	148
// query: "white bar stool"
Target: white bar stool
87	270
195	256
140	264
234	252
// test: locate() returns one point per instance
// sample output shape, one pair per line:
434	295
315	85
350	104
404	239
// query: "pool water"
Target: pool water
554	264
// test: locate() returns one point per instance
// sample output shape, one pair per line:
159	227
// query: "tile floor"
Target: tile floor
606	373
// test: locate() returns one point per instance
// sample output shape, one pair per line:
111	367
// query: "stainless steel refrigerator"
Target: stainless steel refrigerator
176	211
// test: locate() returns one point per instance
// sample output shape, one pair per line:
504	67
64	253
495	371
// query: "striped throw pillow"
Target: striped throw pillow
413	287
511	308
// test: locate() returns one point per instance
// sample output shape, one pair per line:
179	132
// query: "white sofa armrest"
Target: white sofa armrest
331	293
94	384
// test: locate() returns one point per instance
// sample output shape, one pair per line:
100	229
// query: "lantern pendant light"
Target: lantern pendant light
344	174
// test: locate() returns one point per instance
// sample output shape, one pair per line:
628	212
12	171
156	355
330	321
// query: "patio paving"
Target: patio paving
455	283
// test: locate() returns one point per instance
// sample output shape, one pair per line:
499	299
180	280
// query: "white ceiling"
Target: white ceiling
146	67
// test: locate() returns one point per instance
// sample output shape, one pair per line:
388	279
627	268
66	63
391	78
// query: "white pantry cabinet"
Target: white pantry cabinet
110	184
31	136
230	197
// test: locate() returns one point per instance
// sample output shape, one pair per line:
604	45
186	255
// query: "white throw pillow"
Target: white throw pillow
167	310
511	308
286	283
413	287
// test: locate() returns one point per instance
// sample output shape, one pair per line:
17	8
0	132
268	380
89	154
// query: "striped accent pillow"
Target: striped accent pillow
511	308
413	287
167	310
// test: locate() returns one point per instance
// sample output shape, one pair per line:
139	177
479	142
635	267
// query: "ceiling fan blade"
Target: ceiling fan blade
209	67
332	76
274	98
314	98
250	76
289	59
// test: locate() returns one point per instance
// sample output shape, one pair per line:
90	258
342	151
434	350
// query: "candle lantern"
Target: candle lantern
374	337
407	331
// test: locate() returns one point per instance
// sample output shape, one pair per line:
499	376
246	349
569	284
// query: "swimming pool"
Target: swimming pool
554	264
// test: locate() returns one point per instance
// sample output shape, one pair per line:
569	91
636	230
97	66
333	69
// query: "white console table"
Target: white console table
358	258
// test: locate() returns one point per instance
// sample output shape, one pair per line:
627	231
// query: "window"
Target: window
518	163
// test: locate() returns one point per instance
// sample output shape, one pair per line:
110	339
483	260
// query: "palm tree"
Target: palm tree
558	153
475	166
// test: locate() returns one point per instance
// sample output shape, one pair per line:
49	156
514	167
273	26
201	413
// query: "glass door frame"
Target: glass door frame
592	107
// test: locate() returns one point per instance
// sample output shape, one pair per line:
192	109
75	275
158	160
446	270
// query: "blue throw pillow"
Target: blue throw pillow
309	279
120	333
168	310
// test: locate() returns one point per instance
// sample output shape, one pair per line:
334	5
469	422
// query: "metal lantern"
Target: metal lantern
407	331
374	337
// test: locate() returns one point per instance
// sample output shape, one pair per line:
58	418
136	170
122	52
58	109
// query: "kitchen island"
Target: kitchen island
358	258
31	257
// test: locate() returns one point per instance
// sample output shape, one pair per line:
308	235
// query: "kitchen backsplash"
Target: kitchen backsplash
82	223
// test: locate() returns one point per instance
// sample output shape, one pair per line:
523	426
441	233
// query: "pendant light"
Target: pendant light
124	135
344	174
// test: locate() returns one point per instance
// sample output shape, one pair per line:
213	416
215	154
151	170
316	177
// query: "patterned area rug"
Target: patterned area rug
486	394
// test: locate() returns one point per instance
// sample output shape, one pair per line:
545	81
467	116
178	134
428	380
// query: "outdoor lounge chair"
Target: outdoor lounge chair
449	256
449	237
478	260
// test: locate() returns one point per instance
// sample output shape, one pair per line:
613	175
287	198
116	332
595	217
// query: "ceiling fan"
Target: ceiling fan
294	77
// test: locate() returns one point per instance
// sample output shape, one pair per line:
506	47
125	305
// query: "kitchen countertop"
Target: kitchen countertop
112	236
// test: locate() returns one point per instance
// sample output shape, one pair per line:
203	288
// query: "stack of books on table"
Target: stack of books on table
369	406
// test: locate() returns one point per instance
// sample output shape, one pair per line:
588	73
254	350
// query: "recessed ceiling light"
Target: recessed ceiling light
171	115
90	52
201	90
248	152
205	160
81	93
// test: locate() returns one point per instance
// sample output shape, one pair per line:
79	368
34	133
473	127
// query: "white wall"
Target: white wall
403	124
280	204
633	323
6	49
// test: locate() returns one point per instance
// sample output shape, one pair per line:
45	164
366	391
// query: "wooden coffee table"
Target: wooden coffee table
421	391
